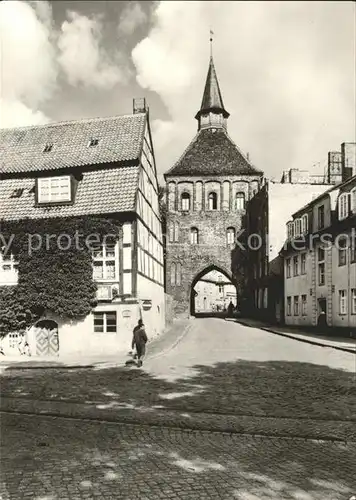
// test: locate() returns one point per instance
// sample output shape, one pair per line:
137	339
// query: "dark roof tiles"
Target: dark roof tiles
212	152
212	99
99	192
120	139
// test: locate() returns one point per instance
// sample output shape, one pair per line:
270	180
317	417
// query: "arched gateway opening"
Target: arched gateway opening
213	293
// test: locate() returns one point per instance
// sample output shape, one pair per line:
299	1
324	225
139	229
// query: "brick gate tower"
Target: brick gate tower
207	192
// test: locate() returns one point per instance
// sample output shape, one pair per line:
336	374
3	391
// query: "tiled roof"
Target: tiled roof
99	192
212	99
212	152
119	138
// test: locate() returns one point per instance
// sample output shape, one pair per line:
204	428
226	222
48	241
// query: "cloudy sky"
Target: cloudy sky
286	71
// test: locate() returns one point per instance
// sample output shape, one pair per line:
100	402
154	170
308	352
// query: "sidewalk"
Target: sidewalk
157	347
341	344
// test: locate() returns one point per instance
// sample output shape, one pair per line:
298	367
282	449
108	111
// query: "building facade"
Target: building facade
320	261
267	215
95	168
207	192
213	293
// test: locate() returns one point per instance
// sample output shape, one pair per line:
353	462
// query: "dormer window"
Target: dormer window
93	142
17	193
297	227
54	189
305	223
48	148
343	206
290	230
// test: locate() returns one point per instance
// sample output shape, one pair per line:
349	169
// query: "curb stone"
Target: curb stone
293	337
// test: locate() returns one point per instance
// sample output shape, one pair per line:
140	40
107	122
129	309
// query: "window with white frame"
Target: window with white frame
230	235
321	266
240	201
289	306
353	301
105	322
303	263
296	305
290	230
304	305
295	265
8	262
185	202
342	250
8	269
343	206
342	302
105	261
353	200
54	189
194	236
288	268
305	224
297	227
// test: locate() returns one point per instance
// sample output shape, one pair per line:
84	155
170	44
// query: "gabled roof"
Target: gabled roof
103	191
212	99
212	152
327	192
120	139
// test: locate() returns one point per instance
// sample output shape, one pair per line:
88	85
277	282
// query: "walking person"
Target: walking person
230	309
139	339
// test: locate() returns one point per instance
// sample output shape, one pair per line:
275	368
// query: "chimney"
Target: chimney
334	175
348	158
139	105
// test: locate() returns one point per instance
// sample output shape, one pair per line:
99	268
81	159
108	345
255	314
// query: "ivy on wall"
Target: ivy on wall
55	270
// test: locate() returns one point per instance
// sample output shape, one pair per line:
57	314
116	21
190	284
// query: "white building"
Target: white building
320	260
214	293
103	167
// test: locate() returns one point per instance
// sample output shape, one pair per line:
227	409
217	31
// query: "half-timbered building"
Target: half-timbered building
102	167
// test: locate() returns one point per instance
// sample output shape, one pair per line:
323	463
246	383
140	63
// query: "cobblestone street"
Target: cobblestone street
264	388
58	459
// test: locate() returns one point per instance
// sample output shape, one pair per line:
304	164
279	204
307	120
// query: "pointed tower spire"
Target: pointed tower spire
212	112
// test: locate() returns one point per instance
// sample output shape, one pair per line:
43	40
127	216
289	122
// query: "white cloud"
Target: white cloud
131	18
28	69
14	113
286	73
82	57
34	53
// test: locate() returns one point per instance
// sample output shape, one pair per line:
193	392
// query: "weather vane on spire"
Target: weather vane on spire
211	42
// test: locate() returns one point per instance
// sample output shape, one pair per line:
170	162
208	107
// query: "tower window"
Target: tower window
230	235
240	201
185	201
194	236
93	142
213	201
48	148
